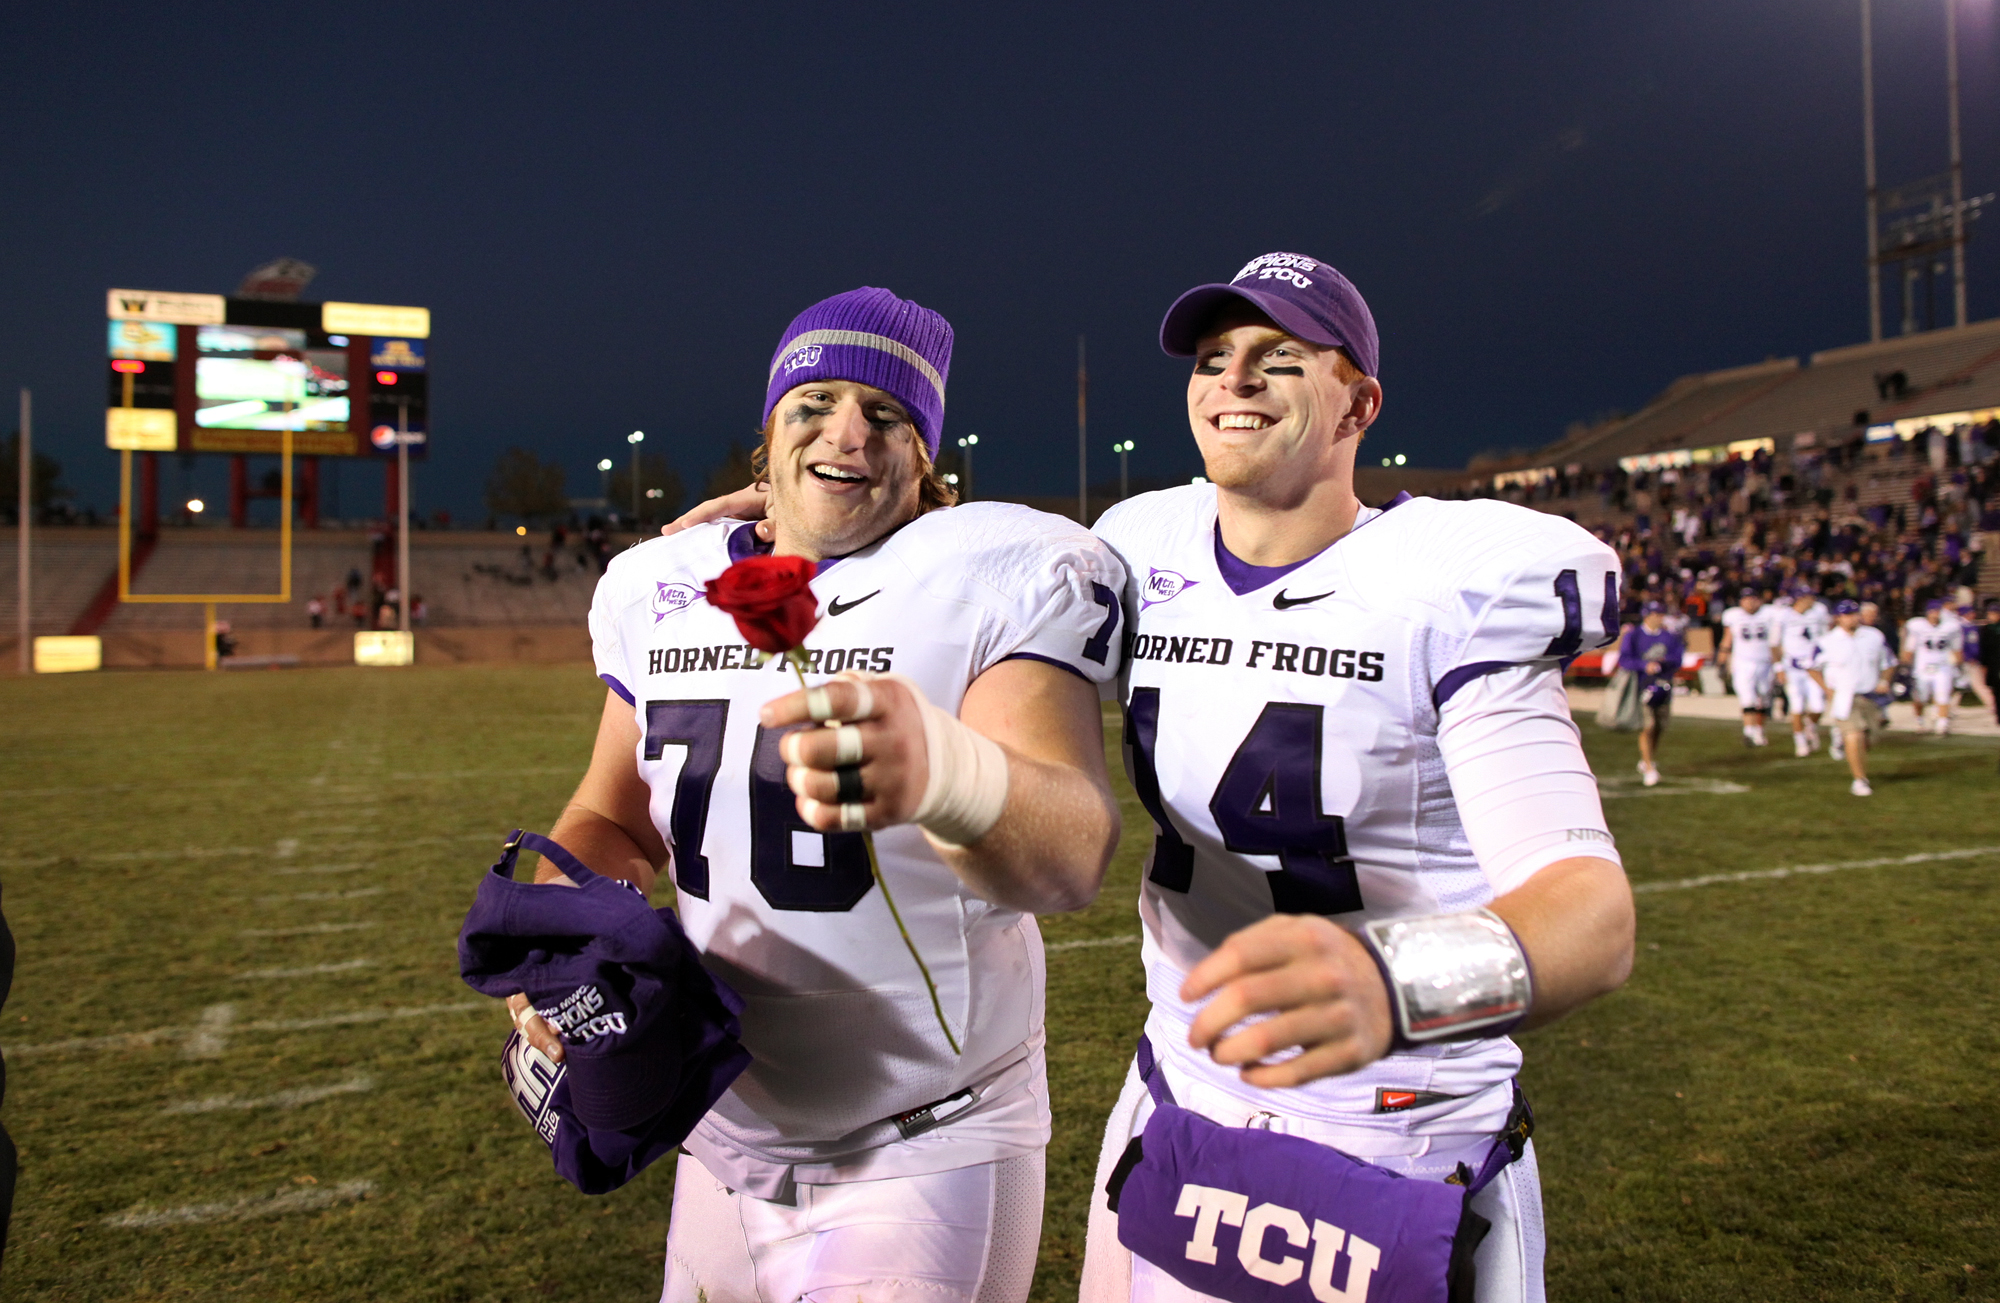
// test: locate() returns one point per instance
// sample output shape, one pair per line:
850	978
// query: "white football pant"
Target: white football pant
1937	683
1803	695
968	1235
1509	1259
1752	681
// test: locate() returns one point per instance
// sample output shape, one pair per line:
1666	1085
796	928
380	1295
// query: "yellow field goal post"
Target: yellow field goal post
208	601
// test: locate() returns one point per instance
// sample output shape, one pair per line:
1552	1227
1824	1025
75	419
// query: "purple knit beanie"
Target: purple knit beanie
871	337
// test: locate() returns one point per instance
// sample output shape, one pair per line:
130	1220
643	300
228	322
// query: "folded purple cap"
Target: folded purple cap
1847	606
1653	608
1303	295
873	338
648	1033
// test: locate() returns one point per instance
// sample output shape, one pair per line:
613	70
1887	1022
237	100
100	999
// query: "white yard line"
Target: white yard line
284	849
312	970
211	1034
312	929
304	1199
1800	870
359	1084
355	894
143	1039
1057	947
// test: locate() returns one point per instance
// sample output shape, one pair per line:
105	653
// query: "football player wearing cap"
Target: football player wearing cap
860	1156
1856	670
1378	846
1749	636
1933	648
1655	653
1801	624
1373	816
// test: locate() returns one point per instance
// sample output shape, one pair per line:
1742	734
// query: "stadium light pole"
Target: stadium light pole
1082	426
968	443
635	438
26	441
1868	156
604	480
402	514
1122	448
1957	165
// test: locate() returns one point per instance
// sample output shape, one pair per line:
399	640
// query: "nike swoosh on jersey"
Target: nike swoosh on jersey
838	607
1284	603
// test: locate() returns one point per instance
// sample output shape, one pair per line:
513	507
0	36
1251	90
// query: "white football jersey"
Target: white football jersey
1756	637
836	1015
1931	646
1281	730
1799	633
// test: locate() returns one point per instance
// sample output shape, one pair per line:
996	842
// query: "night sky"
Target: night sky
612	210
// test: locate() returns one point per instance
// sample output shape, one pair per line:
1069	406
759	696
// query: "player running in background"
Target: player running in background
1982	653
1342	716
1749	637
859	1156
1933	647
1856	666
1653	652
1801	624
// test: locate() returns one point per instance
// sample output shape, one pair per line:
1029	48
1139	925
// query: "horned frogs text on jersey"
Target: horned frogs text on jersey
836	1015
1932	646
1283	736
1799	633
1756	635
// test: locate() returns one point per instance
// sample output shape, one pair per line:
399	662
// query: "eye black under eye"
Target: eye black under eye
1284	370
1208	369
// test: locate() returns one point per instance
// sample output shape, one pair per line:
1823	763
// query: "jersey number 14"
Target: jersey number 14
1267	803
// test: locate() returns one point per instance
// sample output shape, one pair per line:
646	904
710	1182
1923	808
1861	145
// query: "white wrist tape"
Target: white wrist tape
1451	977
967	788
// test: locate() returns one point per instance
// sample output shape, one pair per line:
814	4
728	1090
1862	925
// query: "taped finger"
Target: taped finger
847	745
864	699
819	706
850	790
853	818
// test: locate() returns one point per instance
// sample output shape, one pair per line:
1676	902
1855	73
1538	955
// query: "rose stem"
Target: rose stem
875	868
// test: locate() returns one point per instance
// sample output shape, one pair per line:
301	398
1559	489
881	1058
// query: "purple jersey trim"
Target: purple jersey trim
1448	686
619	688
1050	660
1240	575
744	543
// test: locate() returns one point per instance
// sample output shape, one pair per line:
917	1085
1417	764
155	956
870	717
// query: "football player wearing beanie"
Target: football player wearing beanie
953	711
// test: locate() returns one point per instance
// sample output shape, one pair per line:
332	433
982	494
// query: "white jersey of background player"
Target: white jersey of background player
1368	722
859	1156
1802	622
1750	644
1933	648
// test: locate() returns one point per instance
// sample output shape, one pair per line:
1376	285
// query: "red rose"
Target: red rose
771	599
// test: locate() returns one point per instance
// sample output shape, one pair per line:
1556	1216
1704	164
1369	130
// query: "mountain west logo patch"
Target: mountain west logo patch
671	599
1163	586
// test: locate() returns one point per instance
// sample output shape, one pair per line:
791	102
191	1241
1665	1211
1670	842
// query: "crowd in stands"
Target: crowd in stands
1896	523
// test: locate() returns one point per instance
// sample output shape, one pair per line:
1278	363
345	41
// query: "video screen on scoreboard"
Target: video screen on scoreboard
266	378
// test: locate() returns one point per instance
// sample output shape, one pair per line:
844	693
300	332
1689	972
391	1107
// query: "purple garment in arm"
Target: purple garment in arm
1639	648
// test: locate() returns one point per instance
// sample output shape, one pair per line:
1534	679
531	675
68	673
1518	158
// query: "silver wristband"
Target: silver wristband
1451	977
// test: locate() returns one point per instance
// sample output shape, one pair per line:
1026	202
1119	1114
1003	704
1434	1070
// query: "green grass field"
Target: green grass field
1794	1098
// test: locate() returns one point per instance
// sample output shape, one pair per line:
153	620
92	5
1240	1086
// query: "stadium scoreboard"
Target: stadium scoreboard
208	373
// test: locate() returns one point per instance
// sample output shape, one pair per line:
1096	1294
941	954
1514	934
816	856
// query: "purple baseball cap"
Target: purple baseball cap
1847	606
1305	296
1653	608
648	1033
871	337
1935	604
